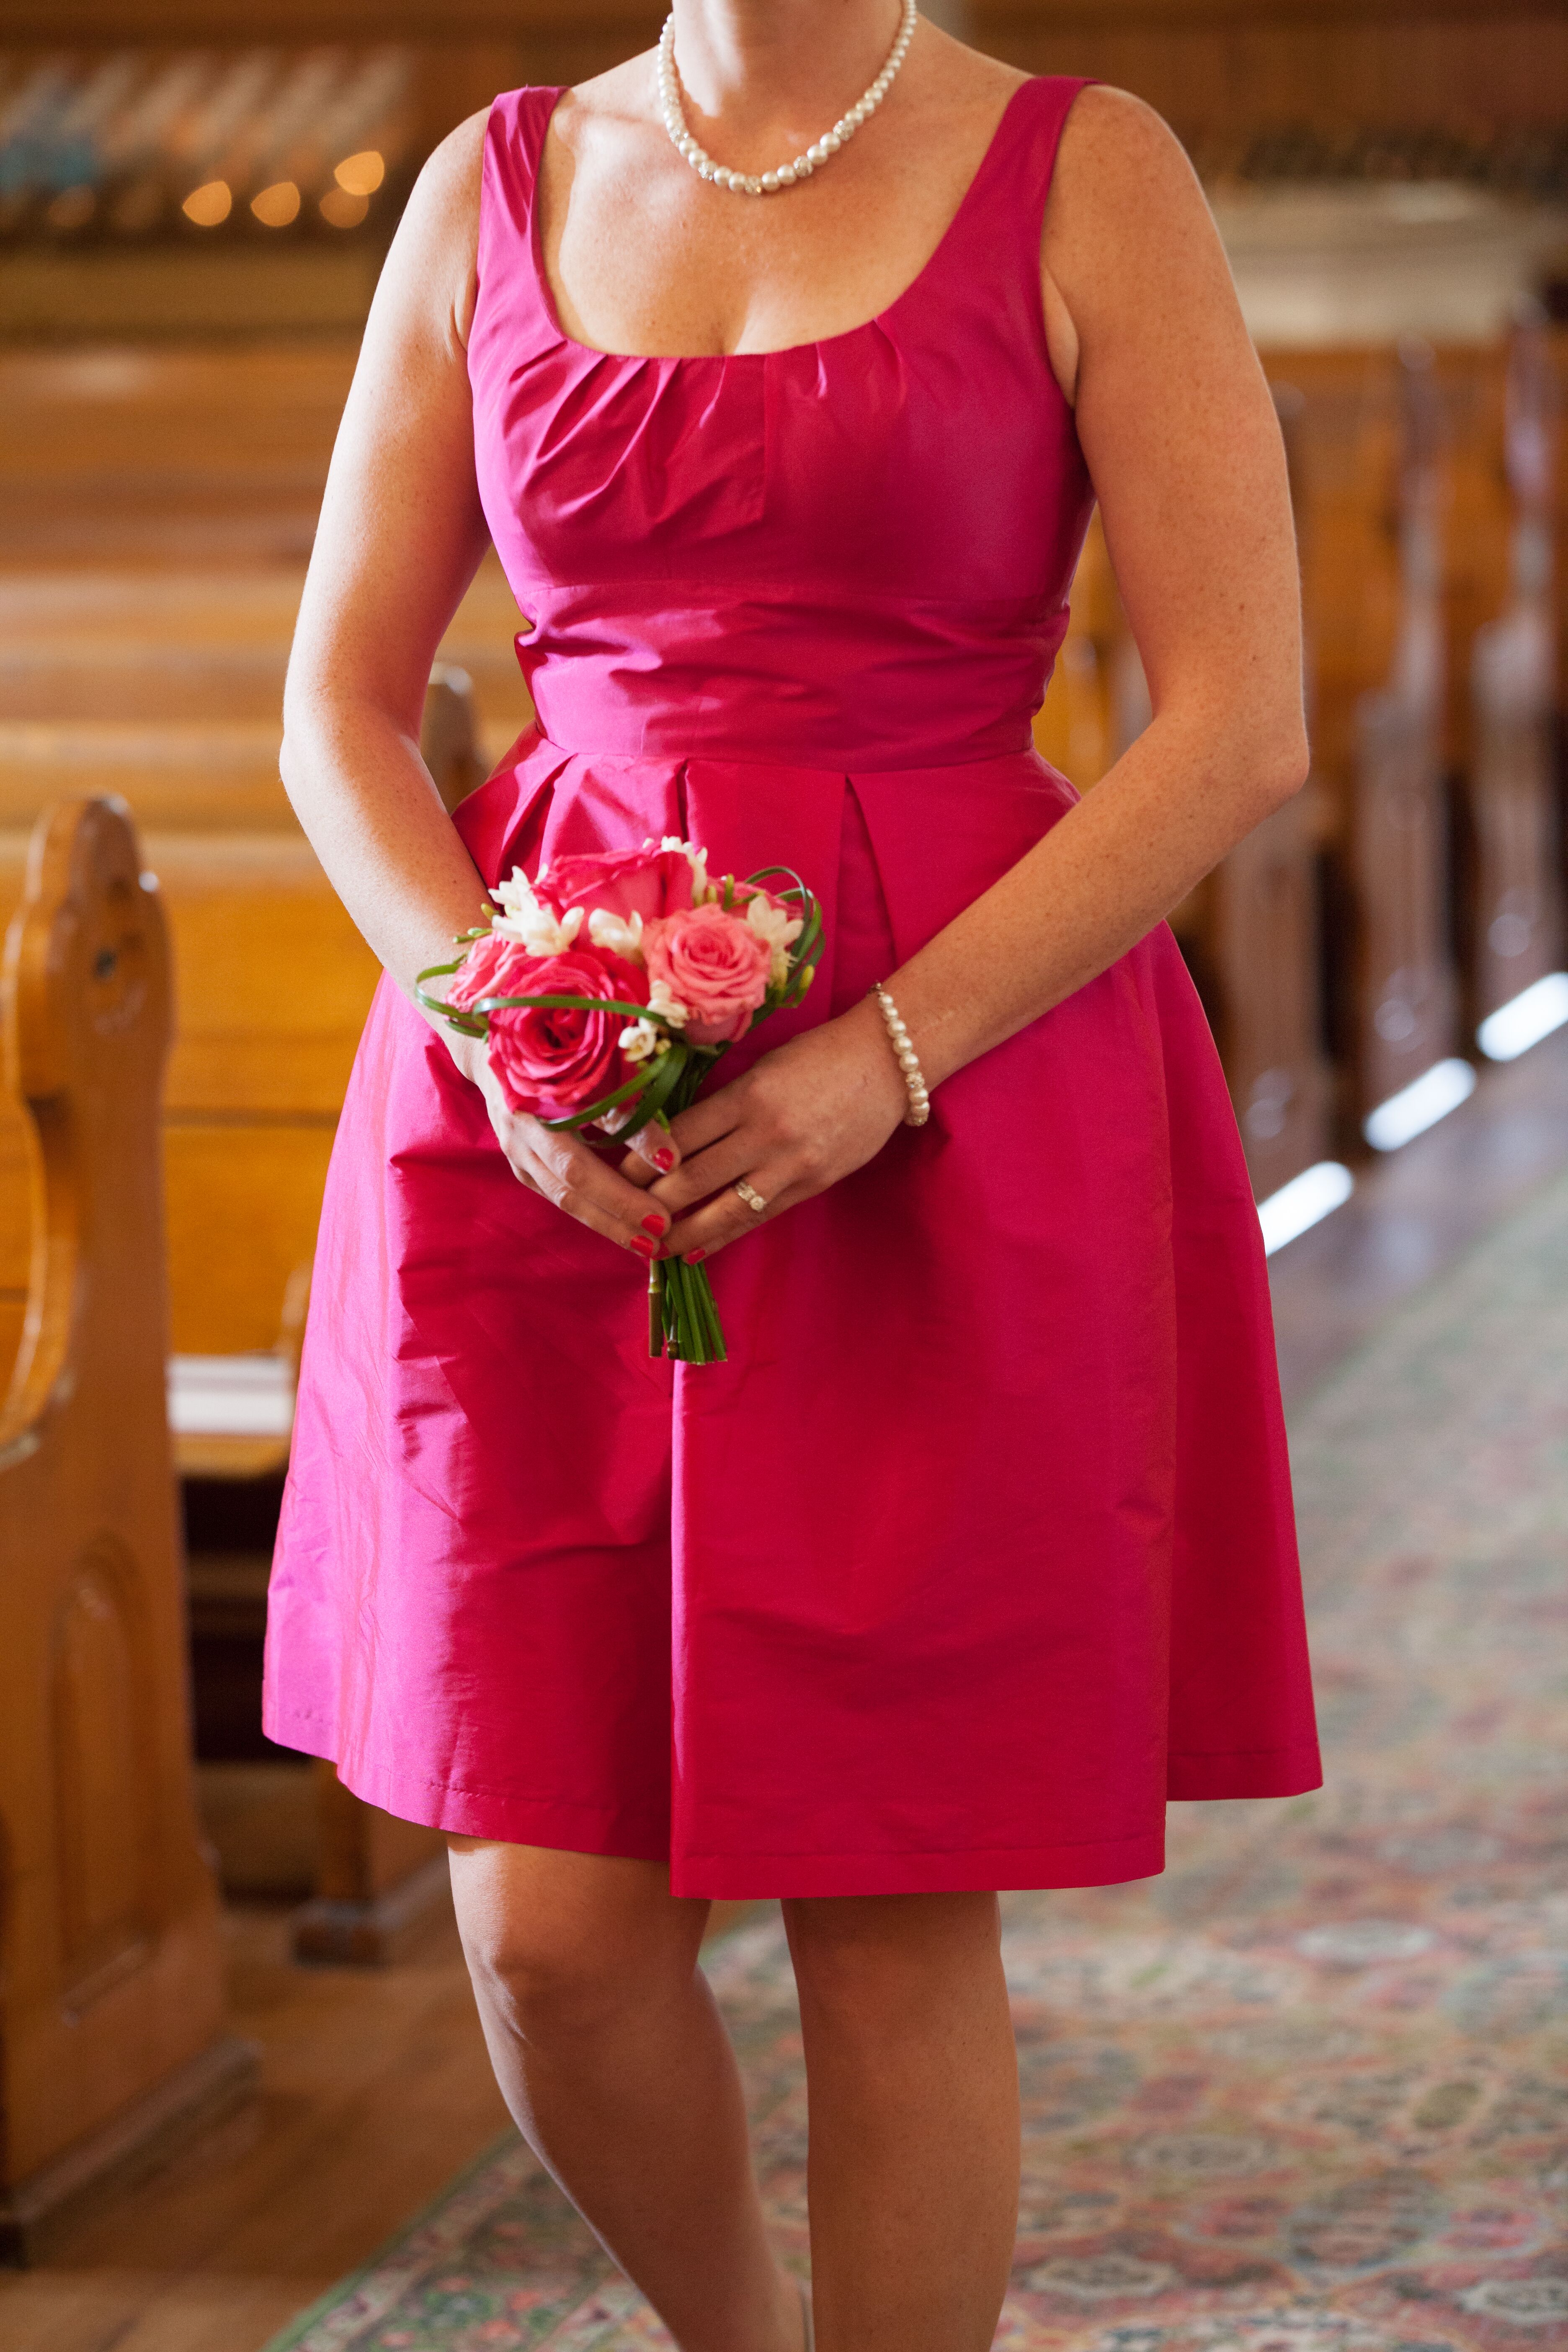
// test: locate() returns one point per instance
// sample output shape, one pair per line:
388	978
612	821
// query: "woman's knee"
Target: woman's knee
882	1964
564	1945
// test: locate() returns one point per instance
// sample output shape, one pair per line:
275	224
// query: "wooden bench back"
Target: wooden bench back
110	1966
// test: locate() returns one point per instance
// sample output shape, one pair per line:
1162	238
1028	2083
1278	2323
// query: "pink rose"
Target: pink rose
493	967
624	882
552	1061
718	966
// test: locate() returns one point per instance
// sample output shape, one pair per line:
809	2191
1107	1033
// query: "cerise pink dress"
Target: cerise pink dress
980	1546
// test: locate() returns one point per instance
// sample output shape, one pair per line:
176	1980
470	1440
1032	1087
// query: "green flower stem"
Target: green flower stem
687	1327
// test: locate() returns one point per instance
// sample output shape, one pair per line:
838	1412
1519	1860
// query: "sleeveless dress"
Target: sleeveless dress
980	1546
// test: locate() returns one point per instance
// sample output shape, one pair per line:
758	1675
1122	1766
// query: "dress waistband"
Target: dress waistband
815	682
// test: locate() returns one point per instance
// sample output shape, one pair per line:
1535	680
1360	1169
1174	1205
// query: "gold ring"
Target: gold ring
753	1199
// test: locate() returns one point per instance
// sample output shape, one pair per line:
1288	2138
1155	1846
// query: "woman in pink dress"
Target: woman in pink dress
979	1547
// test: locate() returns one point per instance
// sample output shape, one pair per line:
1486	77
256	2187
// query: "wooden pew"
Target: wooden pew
167	457
112	2041
1511	900
1403	1014
1373	443
274	982
379	1881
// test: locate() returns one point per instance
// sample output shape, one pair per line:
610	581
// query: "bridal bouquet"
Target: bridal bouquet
607	989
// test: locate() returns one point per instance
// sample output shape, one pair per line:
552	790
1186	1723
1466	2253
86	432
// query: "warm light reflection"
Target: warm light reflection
209	203
361	174
343	210
276	206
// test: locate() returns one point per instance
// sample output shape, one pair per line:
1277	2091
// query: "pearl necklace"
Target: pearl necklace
767	183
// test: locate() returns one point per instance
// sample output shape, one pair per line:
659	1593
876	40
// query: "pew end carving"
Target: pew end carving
112	2038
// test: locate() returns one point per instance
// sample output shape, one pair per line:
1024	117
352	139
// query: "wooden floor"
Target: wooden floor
375	2085
375	2089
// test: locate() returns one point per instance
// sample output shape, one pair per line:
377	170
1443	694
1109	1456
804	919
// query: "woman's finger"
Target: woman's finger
652	1153
718	1222
707	1171
573	1177
711	1115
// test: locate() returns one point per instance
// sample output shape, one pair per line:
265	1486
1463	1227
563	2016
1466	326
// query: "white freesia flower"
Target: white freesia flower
662	1000
533	926
780	928
622	937
642	1041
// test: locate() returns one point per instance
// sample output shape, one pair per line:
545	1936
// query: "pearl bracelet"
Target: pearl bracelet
918	1110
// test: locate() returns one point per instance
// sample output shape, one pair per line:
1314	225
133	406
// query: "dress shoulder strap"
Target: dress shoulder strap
1018	170
514	141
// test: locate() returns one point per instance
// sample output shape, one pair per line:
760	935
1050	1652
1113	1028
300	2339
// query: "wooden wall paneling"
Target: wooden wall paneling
1213	66
112	2038
615	27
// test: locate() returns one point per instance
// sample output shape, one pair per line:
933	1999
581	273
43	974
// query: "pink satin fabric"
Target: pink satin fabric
980	1546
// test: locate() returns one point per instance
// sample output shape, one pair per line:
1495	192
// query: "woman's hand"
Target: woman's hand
797	1120
557	1162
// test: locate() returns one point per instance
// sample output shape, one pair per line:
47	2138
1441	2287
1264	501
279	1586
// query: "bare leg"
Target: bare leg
613	2060
914	2085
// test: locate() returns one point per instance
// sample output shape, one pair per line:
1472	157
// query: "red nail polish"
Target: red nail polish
654	1224
664	1159
644	1248
695	1257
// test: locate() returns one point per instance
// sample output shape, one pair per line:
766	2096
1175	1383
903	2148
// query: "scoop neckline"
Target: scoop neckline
779	350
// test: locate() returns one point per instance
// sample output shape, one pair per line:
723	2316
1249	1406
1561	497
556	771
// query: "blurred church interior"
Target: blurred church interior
236	2047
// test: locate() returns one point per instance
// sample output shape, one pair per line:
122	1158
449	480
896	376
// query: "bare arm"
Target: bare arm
401	535
1179	430
1177	425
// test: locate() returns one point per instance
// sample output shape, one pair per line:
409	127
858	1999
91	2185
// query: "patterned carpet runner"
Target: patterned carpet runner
1309	2091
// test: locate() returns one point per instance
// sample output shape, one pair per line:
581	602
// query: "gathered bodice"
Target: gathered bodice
852	552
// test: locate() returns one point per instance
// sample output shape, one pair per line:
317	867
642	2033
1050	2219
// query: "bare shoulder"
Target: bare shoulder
1126	209
432	263
447	189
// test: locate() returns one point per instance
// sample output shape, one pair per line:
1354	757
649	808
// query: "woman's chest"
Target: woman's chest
643	258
